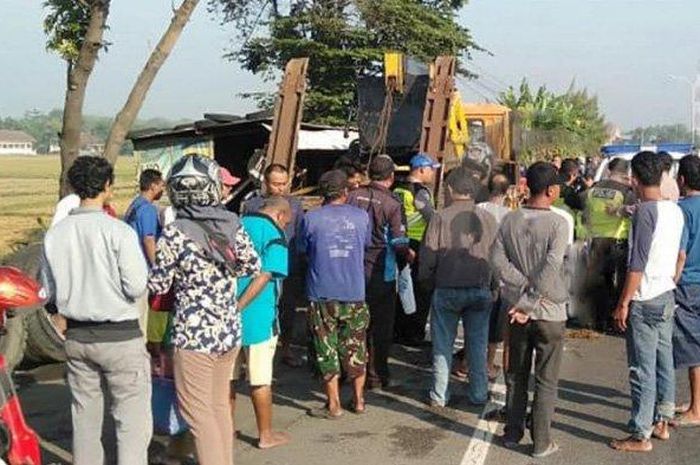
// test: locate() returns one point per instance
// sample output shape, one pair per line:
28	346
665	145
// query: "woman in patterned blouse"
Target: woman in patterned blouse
200	255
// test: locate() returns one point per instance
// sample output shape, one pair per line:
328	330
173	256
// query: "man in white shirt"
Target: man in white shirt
64	207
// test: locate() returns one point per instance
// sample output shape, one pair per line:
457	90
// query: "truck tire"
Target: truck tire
45	343
13	341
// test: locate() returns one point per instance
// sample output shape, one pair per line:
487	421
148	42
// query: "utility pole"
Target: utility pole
694	102
695	106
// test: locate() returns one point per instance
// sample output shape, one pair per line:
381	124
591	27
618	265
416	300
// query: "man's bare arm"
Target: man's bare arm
256	286
149	246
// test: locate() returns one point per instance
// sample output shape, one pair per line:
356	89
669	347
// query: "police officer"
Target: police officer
606	220
419	206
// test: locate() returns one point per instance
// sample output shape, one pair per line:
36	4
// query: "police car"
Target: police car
628	151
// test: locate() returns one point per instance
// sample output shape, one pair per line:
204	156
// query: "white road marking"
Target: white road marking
480	442
57	451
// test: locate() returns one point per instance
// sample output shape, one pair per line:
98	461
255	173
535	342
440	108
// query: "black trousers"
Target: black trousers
381	299
546	340
412	327
607	267
293	296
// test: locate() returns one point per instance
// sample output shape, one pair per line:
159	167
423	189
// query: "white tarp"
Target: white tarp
325	139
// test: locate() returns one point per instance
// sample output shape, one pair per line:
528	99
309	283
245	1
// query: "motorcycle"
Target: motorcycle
19	444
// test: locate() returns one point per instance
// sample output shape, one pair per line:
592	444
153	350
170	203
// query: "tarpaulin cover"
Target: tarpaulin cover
161	154
326	139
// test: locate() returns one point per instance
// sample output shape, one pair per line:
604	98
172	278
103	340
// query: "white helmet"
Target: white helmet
194	180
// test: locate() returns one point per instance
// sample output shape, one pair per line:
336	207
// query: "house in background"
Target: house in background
90	144
16	143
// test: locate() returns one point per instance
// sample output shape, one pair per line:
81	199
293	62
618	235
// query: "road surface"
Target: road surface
399	428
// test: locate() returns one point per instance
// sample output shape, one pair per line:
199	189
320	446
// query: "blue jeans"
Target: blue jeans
472	306
650	361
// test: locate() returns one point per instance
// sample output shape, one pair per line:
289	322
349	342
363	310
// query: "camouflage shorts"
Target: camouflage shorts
340	337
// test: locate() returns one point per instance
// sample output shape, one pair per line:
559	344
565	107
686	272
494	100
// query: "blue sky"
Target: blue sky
621	50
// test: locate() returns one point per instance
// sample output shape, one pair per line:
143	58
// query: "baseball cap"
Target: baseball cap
423	160
332	183
381	168
227	179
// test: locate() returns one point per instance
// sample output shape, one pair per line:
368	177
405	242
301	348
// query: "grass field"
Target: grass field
29	192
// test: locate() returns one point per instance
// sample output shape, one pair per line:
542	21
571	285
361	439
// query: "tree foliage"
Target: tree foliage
660	134
65	25
342	38
45	126
567	124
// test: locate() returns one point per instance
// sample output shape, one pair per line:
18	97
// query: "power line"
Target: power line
491	76
477	91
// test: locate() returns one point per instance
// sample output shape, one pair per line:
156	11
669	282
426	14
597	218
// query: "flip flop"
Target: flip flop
460	374
324	413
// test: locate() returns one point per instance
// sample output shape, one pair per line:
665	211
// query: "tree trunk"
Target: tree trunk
78	74
126	117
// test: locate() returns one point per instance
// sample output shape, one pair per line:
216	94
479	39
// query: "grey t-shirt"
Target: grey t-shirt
498	211
528	256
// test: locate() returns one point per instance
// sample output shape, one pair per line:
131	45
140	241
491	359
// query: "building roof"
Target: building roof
213	124
10	135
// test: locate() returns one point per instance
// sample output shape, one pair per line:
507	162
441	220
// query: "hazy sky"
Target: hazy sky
621	50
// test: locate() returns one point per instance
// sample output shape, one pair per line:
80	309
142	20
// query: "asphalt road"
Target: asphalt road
399	428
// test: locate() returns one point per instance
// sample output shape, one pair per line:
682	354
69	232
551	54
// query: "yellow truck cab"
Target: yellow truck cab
490	123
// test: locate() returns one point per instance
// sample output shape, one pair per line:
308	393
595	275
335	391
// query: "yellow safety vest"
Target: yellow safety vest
579	230
415	223
600	223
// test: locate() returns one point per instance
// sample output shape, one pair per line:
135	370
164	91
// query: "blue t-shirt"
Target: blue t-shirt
334	238
142	215
259	318
690	241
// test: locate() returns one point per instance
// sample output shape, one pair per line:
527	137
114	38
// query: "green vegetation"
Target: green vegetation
45	126
65	26
342	39
568	124
659	134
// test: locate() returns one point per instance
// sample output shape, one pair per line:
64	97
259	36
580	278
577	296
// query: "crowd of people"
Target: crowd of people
198	294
